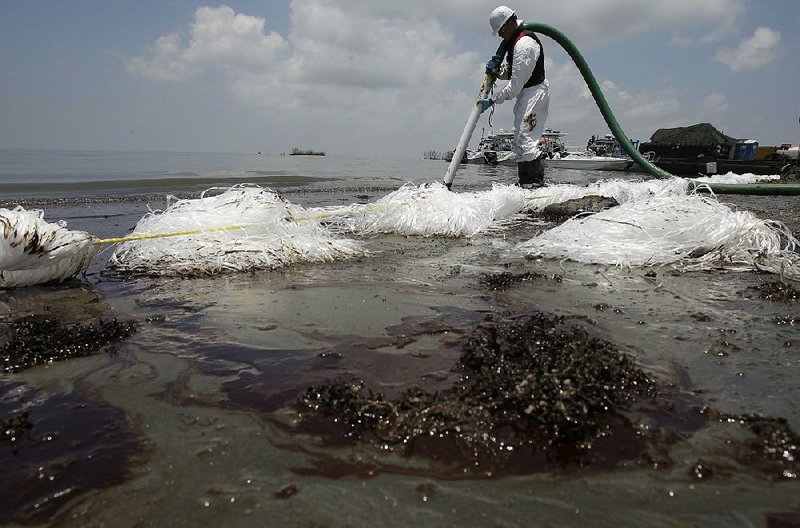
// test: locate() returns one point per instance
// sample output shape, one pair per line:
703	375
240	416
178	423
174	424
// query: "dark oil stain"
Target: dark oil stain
15	429
723	344
563	211
257	378
787	321
701	470
783	520
265	380
503	281
534	394
60	447
777	292
286	492
773	450
700	317
37	340
426	491
502	395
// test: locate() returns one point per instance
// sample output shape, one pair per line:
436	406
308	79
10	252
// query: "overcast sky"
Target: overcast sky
373	78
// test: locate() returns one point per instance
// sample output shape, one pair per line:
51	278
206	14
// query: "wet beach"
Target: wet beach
274	397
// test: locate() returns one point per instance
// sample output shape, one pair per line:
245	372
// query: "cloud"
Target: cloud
404	70
400	77
350	47
753	53
636	112
220	39
356	73
714	103
591	23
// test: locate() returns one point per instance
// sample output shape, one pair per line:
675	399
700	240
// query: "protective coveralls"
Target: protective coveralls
530	109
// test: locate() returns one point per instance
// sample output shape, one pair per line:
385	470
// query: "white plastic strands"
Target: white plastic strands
34	251
246	228
267	232
737	178
621	190
629	190
432	210
687	232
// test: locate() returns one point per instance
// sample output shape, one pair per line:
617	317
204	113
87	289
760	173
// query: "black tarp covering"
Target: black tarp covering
699	134
696	141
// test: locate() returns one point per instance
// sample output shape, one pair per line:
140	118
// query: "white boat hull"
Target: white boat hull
607	163
577	161
492	158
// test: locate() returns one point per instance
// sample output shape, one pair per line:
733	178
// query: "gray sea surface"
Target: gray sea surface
190	420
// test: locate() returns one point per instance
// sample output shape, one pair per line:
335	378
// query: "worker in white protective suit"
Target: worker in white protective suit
524	68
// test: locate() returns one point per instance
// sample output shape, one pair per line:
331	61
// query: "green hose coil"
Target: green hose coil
613	125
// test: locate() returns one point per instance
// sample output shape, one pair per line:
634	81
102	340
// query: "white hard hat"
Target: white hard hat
499	17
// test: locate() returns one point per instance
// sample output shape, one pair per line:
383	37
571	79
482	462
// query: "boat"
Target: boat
702	149
494	149
608	145
710	166
603	153
305	152
587	160
497	149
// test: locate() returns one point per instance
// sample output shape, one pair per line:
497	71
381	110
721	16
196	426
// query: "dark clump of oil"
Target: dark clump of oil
560	212
783	520
777	292
503	281
534	394
775	449
723	344
35	341
15	429
56	448
425	491
701	471
561	378
787	320
286	492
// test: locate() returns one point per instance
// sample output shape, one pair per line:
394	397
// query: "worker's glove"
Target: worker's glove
493	65
484	104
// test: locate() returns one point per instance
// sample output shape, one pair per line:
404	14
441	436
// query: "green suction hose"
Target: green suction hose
613	125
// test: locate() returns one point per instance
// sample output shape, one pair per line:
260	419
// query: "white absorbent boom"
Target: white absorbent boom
33	250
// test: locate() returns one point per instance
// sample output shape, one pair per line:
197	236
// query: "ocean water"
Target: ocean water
192	419
50	174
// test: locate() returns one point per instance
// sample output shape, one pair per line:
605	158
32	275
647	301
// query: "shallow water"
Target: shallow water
207	384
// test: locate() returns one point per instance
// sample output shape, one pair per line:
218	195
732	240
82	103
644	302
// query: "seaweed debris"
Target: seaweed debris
33	341
532	391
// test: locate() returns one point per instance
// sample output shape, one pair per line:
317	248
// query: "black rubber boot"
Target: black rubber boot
531	173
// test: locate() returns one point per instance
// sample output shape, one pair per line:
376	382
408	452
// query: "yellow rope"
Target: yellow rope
165	235
133	238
